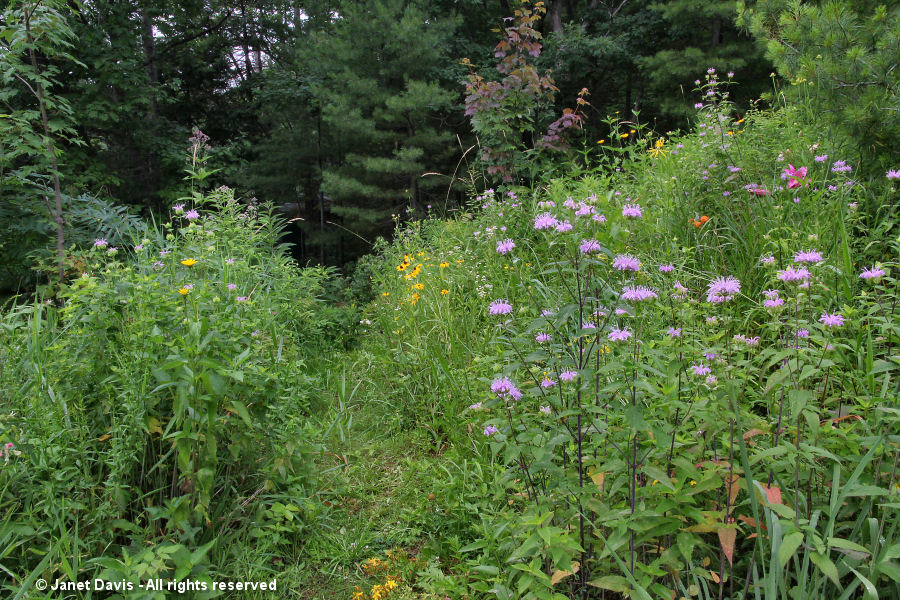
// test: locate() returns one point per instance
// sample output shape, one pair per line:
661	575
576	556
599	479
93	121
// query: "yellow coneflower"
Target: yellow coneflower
386	294
444	265
419	286
444	292
624	135
189	262
184	291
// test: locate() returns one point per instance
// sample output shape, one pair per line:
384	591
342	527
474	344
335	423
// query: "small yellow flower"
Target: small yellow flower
624	135
601	141
386	294
444	265
444	292
420	254
402	266
184	291
390	584
730	133
419	286
693	482
189	262
414	298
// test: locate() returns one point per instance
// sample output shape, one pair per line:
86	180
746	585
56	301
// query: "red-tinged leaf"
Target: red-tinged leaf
733	487
715	576
773	495
727	536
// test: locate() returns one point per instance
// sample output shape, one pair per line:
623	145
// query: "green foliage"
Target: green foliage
841	59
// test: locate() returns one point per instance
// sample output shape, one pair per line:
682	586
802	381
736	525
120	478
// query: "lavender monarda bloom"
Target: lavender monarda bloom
543	337
619	335
547	383
500	307
637	293
626	262
794	275
568	375
505	387
590	246
668	268
723	289
563	227
700	370
673	332
832	320
545	221
872	274
505	246
808	256
490	430
632	210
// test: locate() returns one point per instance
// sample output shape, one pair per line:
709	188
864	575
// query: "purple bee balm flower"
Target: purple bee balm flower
588	325
700	370
563	227
545	410
632	210
547	204
545	221
771	294
505	246
590	246
637	293
841	166
808	256
505	387
490	430
893	174
621	312
191	215
832	320
802	333
231	286
794	275
711	355
229	261
547	313
872	274
139	247
698	105
547	383
500	307
100	243
680	290
475	406
599	218
543	337
723	289
711	320
711	380
158	264
767	260
619	335
667	268
568	375
241	298
773	302
164	252
179	208
821	158
570	203
673	332
584	210
752	341
626	262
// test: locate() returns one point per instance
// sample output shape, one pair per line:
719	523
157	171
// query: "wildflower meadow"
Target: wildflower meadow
568	354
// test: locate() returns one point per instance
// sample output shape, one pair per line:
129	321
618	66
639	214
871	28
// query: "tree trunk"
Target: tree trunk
51	151
556	16
716	32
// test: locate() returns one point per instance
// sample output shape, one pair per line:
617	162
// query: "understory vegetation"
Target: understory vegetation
649	365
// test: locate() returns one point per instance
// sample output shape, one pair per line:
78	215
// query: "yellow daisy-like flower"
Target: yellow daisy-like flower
189	262
419	286
624	135
390	584
414	298
402	266
420	254
601	141
386	294
184	291
444	292
444	265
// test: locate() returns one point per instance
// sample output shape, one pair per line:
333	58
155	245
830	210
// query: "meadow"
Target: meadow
667	369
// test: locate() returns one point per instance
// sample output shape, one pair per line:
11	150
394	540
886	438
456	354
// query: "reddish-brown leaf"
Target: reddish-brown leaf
727	535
